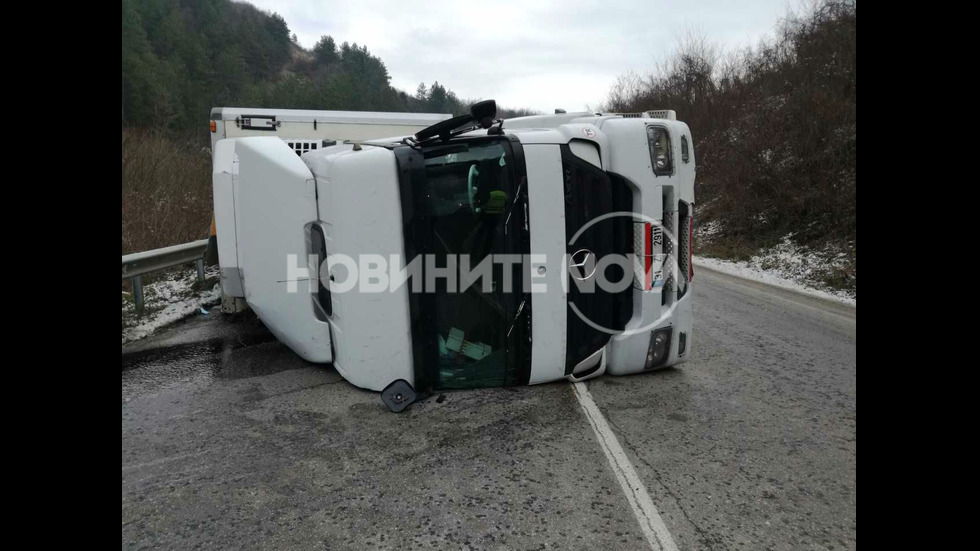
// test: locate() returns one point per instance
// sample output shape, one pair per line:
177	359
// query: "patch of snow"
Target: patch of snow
168	301
707	230
786	266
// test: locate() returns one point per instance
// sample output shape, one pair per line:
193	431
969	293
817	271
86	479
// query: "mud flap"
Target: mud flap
211	252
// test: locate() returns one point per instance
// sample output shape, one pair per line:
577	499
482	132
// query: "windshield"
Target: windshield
475	205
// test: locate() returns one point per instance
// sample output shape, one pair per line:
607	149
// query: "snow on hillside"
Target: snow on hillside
789	266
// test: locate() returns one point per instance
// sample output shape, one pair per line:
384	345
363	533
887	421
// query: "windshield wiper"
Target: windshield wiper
517	197
517	315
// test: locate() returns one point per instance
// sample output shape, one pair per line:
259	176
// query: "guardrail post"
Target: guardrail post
138	293
137	264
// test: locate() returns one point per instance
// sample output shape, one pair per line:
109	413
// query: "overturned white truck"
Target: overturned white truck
474	252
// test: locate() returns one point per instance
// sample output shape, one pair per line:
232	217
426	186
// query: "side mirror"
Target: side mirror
484	112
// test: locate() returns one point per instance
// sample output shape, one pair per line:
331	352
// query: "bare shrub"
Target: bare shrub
775	126
166	189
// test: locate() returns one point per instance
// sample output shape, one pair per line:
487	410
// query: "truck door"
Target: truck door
276	199
469	197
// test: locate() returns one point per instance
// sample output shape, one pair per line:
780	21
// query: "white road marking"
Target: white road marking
651	524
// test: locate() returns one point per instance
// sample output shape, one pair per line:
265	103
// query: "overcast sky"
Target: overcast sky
528	53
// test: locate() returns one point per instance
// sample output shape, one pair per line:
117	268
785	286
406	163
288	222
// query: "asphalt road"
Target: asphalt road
231	441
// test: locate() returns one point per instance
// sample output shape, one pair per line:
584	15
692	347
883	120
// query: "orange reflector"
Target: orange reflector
214	228
214	126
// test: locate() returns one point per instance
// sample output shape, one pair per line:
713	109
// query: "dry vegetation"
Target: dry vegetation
166	189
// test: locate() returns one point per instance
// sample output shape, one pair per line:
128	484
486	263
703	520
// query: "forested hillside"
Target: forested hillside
181	58
775	132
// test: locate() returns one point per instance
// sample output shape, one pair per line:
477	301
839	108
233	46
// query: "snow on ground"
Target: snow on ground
786	266
167	301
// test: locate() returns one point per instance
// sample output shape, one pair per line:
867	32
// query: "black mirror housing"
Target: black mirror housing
484	112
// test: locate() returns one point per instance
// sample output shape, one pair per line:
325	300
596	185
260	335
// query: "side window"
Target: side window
660	154
685	152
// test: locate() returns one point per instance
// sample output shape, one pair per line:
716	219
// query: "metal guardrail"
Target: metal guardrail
136	264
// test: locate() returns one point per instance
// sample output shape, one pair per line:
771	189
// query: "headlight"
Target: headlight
660	155
659	348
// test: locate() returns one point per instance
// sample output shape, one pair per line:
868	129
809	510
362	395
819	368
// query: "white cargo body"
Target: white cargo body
304	130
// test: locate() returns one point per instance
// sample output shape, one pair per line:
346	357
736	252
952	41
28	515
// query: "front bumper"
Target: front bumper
627	352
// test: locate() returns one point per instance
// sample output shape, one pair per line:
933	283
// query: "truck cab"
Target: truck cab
475	252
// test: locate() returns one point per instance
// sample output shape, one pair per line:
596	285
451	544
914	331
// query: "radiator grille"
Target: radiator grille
302	146
684	248
668	114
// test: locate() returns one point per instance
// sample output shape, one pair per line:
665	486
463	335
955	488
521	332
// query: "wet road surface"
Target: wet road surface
229	440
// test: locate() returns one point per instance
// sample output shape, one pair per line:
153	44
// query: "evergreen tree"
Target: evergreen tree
180	59
325	51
